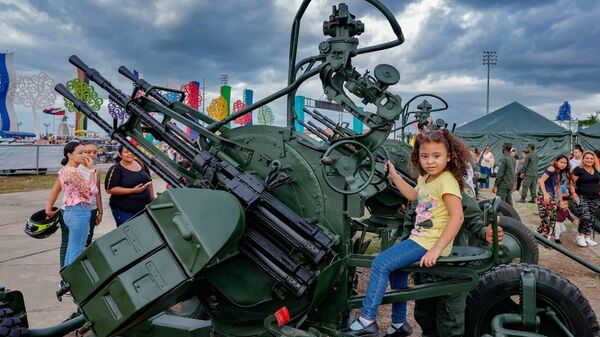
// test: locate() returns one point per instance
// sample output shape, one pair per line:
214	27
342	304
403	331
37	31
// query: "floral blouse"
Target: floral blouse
76	189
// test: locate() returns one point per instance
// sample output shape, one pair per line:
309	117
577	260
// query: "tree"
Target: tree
35	92
564	112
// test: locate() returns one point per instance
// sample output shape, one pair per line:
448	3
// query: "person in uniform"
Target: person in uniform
529	174
505	178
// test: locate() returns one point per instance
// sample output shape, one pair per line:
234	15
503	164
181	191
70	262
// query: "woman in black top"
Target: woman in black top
585	190
130	187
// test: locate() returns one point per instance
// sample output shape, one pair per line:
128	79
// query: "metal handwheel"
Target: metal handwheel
348	167
381	156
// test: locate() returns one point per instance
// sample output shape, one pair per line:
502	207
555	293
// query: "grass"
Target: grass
25	183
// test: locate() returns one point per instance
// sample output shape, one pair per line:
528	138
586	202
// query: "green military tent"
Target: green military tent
589	138
518	125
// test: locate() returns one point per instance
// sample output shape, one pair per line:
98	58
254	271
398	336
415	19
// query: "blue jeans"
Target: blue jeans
386	266
487	171
77	219
121	216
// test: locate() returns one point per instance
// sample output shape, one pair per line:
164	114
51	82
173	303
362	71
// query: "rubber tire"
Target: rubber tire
520	235
552	290
503	209
10	326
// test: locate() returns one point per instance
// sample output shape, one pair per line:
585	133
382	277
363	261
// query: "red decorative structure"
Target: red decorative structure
237	107
193	96
193	99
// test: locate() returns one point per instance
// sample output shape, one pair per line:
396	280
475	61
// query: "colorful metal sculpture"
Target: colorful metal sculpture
34	92
85	92
218	108
237	107
116	111
265	115
266	218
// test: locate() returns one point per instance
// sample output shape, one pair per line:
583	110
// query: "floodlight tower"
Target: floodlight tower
489	59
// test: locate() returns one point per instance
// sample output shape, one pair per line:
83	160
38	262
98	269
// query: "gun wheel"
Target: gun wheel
10	324
519	244
499	292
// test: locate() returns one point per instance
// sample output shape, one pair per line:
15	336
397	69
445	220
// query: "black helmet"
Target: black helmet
39	226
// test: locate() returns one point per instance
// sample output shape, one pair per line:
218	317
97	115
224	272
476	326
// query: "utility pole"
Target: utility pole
489	59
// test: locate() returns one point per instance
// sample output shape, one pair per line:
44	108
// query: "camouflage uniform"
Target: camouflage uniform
530	172
505	179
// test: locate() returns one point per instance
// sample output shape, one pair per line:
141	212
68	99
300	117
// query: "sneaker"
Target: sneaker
558	241
404	330
370	330
591	242
522	200
581	242
532	201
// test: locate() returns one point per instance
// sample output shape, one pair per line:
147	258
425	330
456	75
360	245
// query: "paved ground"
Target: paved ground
31	265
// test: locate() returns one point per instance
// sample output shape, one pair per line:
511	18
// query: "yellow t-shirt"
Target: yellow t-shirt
432	215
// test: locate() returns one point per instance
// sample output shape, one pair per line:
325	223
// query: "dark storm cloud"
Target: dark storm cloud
539	42
547	50
224	36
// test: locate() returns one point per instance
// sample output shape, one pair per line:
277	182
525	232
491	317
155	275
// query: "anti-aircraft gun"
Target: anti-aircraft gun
260	236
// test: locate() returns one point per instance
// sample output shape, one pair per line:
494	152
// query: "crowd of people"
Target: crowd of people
570	185
442	162
128	182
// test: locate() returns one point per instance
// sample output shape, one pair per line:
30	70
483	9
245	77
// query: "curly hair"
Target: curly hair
457	150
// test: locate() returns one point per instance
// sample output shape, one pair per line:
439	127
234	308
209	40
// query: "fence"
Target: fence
42	158
30	157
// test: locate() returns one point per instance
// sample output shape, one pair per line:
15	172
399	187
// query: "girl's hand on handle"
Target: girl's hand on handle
430	258
576	198
546	197
390	169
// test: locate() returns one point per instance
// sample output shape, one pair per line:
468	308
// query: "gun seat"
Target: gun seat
463	255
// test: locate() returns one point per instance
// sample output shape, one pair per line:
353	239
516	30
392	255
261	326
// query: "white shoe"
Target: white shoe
581	242
591	242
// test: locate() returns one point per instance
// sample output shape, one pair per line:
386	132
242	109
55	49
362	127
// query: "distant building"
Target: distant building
63	129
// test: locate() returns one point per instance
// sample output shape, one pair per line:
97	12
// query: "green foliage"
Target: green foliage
588	122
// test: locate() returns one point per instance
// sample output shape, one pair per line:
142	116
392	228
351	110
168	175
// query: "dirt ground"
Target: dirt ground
586	280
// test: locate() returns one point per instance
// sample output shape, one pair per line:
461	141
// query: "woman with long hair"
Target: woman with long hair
549	193
130	187
77	194
585	189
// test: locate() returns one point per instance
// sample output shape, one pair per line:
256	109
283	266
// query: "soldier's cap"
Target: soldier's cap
513	150
530	145
507	145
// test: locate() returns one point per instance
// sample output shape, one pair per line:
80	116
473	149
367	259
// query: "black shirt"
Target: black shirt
587	185
118	176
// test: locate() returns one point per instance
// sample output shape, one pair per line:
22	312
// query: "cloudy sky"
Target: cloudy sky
548	51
